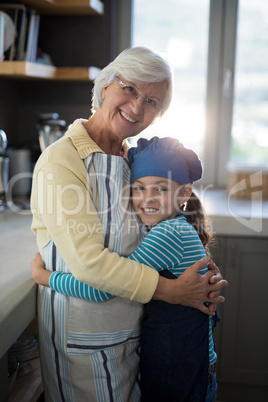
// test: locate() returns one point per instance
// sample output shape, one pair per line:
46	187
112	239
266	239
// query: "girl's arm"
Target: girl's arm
59	208
68	285
65	283
190	280
190	287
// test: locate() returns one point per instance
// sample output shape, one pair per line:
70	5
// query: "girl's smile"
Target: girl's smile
155	199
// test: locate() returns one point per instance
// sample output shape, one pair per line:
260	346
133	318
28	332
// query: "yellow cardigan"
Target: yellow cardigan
60	195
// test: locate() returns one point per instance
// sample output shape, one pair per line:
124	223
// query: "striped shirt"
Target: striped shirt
172	244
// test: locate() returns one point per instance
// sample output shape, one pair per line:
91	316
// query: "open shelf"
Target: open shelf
27	70
73	7
30	70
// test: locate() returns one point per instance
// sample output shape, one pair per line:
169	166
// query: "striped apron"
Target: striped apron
90	351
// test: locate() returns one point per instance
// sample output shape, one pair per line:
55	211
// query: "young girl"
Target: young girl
177	348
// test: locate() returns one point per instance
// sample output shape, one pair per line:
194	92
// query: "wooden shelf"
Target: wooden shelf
76	73
73	7
22	69
28	70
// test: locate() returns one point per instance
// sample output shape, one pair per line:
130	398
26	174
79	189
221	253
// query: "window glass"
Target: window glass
250	114
178	29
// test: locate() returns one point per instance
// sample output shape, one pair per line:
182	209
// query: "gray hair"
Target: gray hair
137	64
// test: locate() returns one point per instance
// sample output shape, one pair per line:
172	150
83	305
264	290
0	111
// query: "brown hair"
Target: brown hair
195	214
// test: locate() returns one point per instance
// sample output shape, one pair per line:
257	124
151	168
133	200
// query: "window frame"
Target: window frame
220	81
220	90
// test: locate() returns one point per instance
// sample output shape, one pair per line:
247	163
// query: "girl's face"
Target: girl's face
156	199
126	116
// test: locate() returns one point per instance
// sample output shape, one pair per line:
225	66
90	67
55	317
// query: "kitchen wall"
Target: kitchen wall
70	99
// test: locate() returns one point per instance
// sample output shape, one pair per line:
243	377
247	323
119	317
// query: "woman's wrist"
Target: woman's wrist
168	290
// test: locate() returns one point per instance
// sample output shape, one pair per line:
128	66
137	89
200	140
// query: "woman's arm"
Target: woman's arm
163	248
61	203
192	283
61	217
65	283
192	289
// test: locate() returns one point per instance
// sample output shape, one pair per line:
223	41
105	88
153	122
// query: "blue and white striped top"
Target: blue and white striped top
172	244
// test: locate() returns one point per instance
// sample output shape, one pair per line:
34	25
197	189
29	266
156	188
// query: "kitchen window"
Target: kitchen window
218	49
178	29
250	111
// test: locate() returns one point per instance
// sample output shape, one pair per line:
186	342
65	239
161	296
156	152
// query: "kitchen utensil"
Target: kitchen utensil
3	141
50	129
20	172
4	167
7	33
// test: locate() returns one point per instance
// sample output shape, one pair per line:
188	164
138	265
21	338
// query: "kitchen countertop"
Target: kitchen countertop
230	217
17	288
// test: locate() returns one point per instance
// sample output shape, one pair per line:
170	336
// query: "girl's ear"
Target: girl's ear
186	193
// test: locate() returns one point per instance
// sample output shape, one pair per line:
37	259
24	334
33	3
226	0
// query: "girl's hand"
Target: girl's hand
39	273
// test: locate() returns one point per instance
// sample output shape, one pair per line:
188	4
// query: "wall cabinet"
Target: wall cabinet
241	338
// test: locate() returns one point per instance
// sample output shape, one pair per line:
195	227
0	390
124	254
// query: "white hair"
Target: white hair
137	64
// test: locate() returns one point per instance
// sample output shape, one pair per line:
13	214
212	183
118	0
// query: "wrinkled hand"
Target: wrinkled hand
217	277
39	273
196	289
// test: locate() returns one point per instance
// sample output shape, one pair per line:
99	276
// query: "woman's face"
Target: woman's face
126	116
155	199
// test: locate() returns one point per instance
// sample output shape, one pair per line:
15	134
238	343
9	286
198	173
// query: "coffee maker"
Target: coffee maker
50	129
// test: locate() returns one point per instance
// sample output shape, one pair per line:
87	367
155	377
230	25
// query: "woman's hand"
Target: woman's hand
217	277
39	273
192	289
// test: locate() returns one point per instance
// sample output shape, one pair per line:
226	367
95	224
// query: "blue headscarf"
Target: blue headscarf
164	157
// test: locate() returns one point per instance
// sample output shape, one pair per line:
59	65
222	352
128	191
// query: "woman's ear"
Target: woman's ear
186	192
103	92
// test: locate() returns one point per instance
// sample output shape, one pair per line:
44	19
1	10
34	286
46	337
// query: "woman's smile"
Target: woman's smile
127	117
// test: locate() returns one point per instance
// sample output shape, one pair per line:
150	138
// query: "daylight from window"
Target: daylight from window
179	30
250	117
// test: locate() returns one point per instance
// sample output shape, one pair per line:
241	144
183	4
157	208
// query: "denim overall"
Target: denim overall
174	352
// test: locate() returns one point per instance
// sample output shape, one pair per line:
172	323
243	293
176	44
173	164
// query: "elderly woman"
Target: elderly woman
84	225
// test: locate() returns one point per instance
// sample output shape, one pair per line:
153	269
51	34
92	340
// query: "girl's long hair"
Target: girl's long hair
196	216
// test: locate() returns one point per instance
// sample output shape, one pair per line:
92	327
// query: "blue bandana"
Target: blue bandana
164	157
